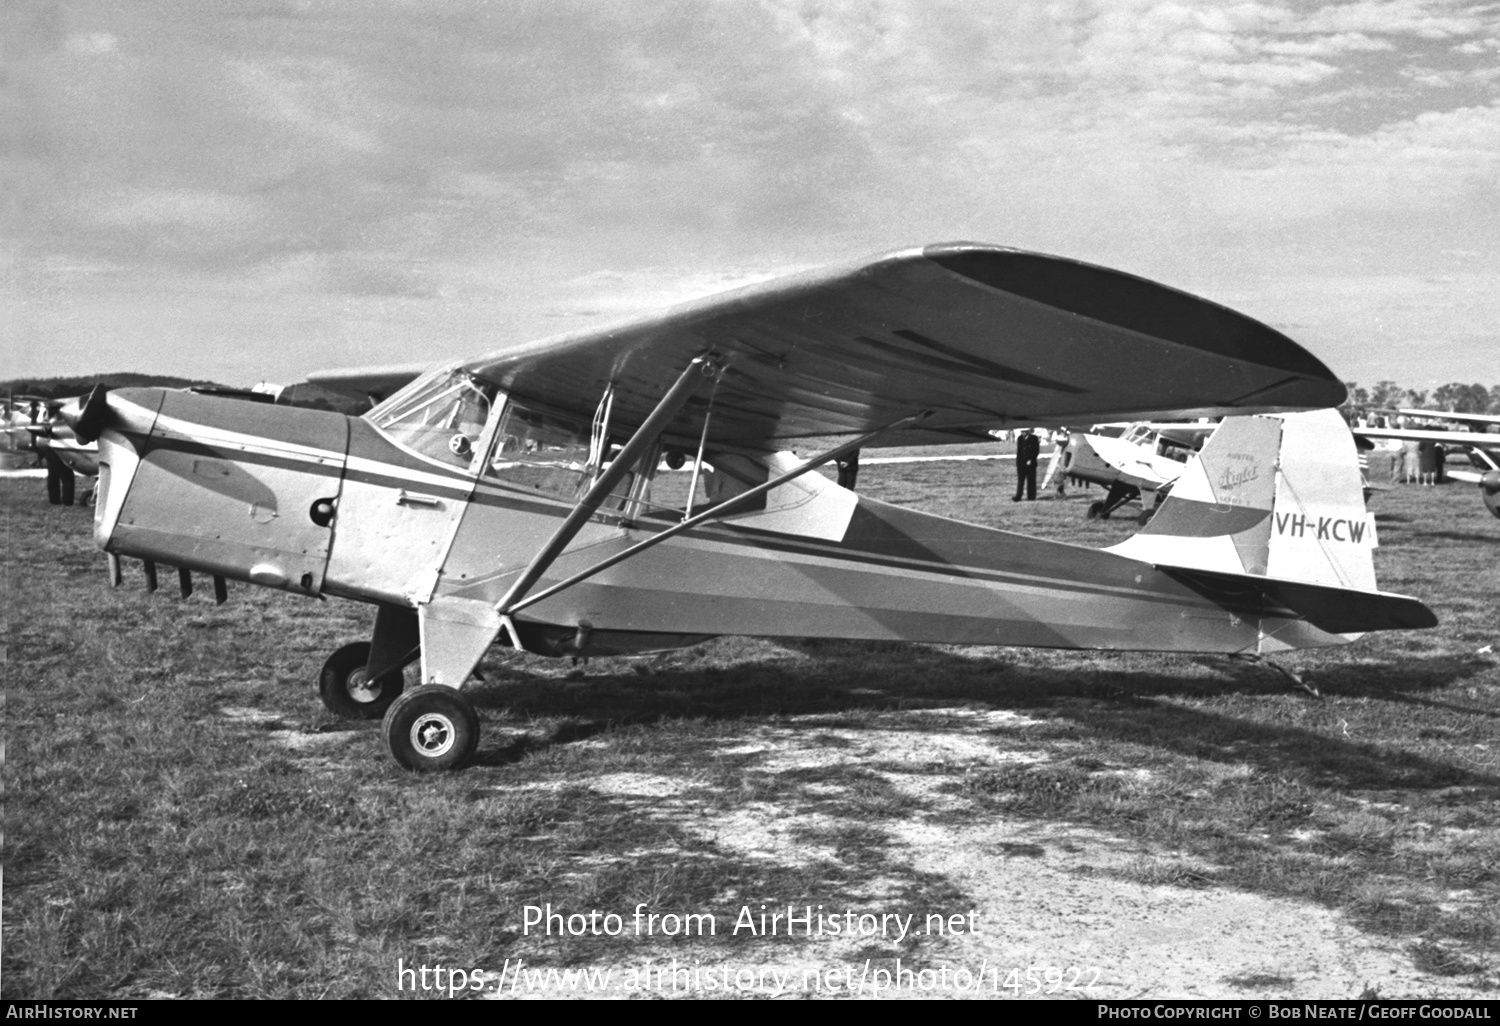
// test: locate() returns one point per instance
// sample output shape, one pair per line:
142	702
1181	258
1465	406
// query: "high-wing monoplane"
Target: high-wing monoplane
33	427
1483	447
518	497
1131	461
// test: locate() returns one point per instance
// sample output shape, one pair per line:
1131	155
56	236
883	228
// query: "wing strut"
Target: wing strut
814	463
700	370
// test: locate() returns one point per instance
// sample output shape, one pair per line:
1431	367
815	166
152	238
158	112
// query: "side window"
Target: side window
536	450
722	476
666	493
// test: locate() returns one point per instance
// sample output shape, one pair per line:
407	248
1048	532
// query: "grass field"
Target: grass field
184	818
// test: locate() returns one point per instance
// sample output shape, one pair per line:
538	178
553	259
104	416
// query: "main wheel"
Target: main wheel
346	689
431	728
1096	510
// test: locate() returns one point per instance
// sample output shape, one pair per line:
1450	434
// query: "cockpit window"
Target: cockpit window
440	416
535	449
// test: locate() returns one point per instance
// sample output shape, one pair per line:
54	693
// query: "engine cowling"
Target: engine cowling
1489	489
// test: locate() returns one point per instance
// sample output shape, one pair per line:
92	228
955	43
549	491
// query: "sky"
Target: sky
249	191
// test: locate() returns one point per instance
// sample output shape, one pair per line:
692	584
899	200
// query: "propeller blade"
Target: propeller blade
87	418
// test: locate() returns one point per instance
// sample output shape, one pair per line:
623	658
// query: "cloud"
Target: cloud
1431	19
1324	45
376	156
1451	78
192	208
92	43
1490	44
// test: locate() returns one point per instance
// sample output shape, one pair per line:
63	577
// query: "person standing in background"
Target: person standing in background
1028	449
1427	462
1057	475
1411	463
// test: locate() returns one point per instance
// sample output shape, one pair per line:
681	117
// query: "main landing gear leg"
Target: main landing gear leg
434	727
362	679
1119	495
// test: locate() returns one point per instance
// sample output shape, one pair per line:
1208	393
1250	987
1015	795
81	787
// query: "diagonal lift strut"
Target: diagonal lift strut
697	373
517	600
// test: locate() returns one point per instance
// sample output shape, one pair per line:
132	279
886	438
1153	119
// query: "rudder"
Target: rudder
1269	496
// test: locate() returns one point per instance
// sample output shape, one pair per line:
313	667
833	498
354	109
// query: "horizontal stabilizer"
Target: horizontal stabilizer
1331	609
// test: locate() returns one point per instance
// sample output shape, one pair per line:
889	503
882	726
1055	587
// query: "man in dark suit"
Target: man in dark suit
1028	449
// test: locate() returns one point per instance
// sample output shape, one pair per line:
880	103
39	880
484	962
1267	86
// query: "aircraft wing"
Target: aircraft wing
982	336
1476	418
373	383
1471	439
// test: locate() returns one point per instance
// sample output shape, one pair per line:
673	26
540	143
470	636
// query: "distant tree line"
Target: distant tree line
1454	397
65	388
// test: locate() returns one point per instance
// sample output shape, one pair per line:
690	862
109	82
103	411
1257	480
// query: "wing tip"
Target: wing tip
1129	301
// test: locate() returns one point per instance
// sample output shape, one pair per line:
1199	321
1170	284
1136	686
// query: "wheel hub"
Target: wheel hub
433	734
359	687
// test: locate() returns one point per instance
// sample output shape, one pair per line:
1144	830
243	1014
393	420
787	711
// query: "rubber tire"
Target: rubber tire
1145	516
439	714
338	680
1096	510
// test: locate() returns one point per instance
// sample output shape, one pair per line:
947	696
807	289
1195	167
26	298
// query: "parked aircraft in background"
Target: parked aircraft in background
1483	448
1473	418
1141	458
515	497
16	449
35	431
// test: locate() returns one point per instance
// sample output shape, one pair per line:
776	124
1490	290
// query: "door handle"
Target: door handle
406	498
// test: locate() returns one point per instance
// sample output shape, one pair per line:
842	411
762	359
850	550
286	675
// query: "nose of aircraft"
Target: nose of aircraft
87	415
240	490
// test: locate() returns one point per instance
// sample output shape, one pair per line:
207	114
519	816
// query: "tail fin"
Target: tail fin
1270	521
1271	497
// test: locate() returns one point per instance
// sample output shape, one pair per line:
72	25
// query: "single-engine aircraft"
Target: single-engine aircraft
1142	458
1483	448
33	426
516	497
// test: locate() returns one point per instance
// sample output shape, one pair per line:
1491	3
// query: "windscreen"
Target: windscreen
440	415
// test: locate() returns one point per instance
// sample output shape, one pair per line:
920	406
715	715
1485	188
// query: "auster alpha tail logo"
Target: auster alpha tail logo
1339	529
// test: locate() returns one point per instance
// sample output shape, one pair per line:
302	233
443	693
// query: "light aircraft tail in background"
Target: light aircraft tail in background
1144	458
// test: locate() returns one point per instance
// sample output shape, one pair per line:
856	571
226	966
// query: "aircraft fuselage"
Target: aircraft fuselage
238	490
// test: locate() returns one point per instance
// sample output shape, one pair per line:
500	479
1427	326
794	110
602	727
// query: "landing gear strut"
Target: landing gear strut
1147	512
1119	495
362	679
348	690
